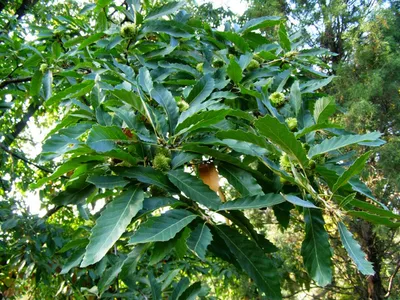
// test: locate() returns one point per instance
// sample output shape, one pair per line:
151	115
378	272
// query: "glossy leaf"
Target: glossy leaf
253	202
199	240
202	89
354	251
241	180
163	228
112	224
234	71
300	202
315	249
105	138
194	188
323	109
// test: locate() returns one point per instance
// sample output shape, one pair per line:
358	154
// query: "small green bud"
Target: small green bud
258	58
312	164
182	105
284	162
231	56
163	151
277	99
284	181
161	163
199	67
43	68
292	123
253	65
128	30
291	54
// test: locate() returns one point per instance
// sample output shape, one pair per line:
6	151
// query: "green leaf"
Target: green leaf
163	228
369	207
194	188
107	182
181	158
236	39
315	248
199	240
243	136
312	85
354	169
241	180
295	97
173	28
147	175
161	250
243	147
354	251
254	202
234	71
297	201
280	135
338	142
181	240
145	80
112	224
191	292
259	23
105	138
202	89
373	218
74	196
155	287
165	9
283	38
90	40
47	84
323	109
180	288
253	261
109	275
201	120
73	91
315	127
164	98
36	83
73	261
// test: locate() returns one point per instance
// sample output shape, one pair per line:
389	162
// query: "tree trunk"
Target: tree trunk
375	288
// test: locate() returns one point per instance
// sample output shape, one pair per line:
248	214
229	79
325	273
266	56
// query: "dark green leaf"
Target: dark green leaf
260	23
194	188
164	9
323	109
259	201
163	228
199	240
241	180
112	224
105	138
315	248
354	251
234	71
164	98
107	182
283	38
300	202
202	89
36	83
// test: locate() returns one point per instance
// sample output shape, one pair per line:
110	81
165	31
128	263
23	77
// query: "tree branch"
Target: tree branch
18	156
392	278
4	83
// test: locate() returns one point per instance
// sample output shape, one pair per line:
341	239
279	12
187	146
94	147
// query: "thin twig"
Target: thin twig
4	83
392	278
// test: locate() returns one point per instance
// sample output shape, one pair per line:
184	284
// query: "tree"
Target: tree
156	107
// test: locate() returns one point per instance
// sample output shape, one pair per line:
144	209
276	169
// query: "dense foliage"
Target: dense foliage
179	129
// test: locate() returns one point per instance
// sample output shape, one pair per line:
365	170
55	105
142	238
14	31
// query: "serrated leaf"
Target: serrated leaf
163	228
235	71
312	85
194	188
354	169
74	196
145	80
315	127
241	180
280	135
147	175
323	109
191	292
258	23
369	207
202	89
338	142
379	220
284	38
354	251
181	158
242	136
112	224
155	287
73	261
181	243
295	97
164	98
180	288
107	182
109	275
105	138
88	40
254	202
315	248
173	28
297	201
73	91
201	120
199	240
165	9
236	39
253	261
